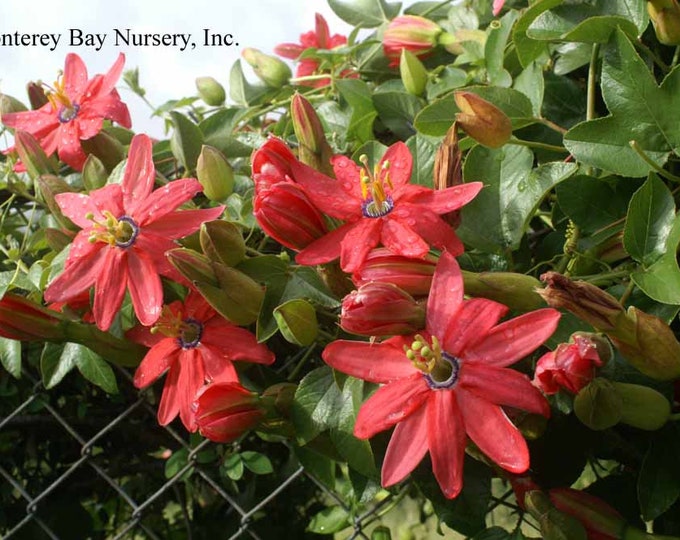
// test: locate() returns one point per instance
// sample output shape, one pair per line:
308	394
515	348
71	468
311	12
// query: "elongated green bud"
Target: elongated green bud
214	173
517	291
599	405
314	148
32	155
210	91
642	407
272	71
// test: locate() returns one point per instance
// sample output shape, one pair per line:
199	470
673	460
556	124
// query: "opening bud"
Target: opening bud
482	120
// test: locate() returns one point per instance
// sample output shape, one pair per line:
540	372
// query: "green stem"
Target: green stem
552	125
534	144
627	292
654	57
296	370
649	161
592	82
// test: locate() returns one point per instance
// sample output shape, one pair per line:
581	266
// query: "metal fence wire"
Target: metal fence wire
78	463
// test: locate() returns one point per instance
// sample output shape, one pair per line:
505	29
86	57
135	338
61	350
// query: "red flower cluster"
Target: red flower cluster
377	206
75	111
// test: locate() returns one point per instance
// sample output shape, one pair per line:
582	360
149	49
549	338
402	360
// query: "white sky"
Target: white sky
165	72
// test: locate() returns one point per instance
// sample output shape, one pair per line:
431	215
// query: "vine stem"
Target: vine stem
649	161
534	144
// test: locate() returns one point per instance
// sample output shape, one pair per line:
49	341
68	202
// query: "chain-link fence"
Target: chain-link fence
78	463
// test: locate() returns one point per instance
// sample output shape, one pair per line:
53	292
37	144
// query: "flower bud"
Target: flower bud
571	366
598	405
411	32
314	148
642	407
287	215
48	187
36	95
222	242
9	104
271	163
413	276
556	525
226	410
453	43
210	91
24	320
272	71
517	291
648	344
381	309
413	73
214	173
32	155
283	395
237	297
482	120
665	16
192	265
599	519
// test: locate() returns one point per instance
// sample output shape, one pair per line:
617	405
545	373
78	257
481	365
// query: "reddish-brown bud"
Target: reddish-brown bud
482	120
665	16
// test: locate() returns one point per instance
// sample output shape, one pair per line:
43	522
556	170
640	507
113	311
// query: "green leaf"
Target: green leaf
283	283
661	281
186	140
329	521
233	467
358	96
659	480
176	462
640	111
423	149
588	21
494	49
530	83
218	131
10	356
93	367
436	118
499	216
316	404
397	110
446	80
649	221
357	452
467	512
256	462
529	49
54	365
365	13
593	203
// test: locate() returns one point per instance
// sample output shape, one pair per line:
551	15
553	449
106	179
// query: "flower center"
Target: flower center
376	201
439	368
121	232
188	332
66	114
61	103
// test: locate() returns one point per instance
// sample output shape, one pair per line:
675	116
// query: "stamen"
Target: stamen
121	232
439	368
376	201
